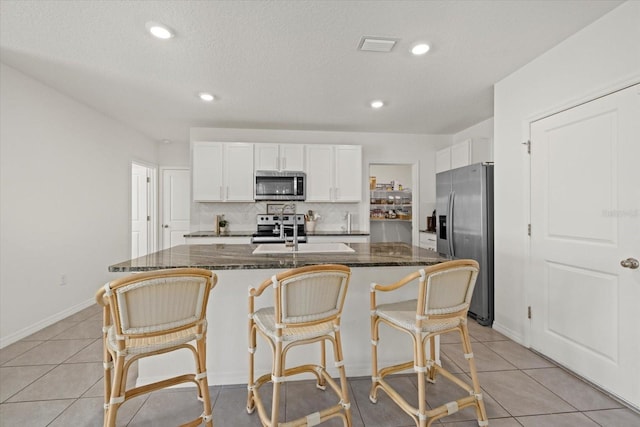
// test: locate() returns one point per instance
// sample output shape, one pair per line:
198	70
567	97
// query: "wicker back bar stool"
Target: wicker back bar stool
444	294
307	308
149	314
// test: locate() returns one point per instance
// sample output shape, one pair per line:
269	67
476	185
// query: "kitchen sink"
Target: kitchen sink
303	248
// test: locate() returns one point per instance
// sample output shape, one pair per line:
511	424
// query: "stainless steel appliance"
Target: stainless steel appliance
464	227
269	227
273	185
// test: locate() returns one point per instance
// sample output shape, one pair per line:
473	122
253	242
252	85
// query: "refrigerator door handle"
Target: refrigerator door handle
452	196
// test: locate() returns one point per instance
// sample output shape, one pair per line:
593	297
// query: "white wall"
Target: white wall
376	148
65	202
386	173
602	57
174	154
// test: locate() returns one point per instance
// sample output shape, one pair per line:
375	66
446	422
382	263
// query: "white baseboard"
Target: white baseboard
509	333
25	332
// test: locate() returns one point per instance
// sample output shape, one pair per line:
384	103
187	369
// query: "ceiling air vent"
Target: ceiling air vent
377	44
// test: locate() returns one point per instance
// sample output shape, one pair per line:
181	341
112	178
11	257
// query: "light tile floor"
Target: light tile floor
54	378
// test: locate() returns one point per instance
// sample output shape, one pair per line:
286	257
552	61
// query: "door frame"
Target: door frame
160	203
527	281
415	195
152	209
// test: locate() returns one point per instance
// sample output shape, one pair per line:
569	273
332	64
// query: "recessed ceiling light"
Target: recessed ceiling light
377	103
158	30
420	49
207	97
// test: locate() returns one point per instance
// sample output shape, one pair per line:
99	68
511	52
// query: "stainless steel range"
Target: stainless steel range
269	227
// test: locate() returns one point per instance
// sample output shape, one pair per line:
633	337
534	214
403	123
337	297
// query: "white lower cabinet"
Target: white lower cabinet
427	240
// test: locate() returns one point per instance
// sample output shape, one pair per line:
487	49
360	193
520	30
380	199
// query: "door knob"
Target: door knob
166	226
631	263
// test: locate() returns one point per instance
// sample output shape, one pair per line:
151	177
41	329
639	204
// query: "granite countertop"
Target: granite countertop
212	233
240	257
337	233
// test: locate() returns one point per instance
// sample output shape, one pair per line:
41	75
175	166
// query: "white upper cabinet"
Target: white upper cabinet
334	173
222	171
319	172
279	157
206	170
461	154
238	172
443	160
348	173
464	153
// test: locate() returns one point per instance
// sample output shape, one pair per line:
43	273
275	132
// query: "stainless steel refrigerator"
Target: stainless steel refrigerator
464	227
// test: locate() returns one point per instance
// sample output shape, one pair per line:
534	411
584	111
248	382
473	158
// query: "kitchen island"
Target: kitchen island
237	269
240	257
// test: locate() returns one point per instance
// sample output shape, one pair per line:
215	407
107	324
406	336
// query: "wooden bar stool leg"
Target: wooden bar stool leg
431	377
480	408
344	386
117	396
420	367
375	375
277	378
203	382
251	404
322	384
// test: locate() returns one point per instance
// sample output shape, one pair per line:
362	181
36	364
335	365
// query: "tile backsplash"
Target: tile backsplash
242	216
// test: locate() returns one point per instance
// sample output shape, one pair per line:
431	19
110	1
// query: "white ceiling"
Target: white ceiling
285	64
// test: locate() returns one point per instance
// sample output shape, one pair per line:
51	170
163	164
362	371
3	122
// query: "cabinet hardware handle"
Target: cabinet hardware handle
631	263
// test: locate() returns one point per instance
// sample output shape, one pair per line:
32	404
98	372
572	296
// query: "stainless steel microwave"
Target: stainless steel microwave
272	185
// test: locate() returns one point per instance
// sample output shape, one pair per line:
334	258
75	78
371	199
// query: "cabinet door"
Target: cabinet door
292	157
428	240
238	172
266	157
348	173
481	150
319	172
461	154
207	163
443	160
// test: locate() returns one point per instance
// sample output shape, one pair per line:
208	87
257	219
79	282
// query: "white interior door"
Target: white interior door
585	220
140	215
176	205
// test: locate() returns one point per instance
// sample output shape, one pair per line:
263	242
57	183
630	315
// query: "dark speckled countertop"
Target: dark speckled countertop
212	233
240	257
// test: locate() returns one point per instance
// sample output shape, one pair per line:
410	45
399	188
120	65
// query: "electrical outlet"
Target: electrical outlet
63	280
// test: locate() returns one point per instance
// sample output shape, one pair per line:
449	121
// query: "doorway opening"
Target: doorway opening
143	234
393	202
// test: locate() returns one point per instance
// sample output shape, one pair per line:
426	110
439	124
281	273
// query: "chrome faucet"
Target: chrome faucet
283	235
